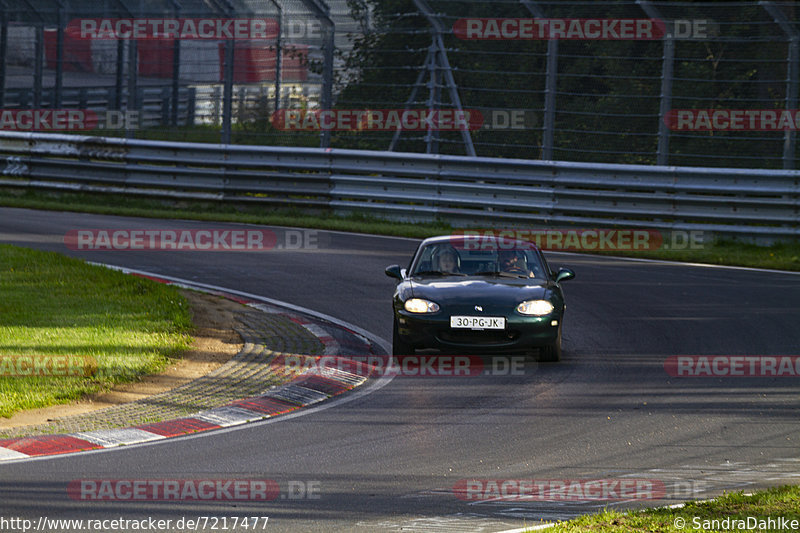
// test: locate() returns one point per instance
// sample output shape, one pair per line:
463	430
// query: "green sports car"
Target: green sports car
483	294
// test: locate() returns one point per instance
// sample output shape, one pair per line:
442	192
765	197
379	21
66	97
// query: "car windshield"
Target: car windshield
455	259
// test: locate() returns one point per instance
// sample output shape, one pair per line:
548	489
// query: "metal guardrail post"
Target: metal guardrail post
667	66
792	59
550	87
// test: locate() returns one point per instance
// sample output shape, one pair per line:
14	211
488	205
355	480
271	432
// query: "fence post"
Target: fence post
550	87
323	12
434	98
789	136
133	73
327	77
227	92
191	106
548	134
667	65
56	104
278	56
3	51
176	71
38	66
119	75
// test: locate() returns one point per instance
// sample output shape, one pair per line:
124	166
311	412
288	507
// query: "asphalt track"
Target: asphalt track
389	460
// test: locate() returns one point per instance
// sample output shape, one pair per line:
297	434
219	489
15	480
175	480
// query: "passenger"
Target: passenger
448	262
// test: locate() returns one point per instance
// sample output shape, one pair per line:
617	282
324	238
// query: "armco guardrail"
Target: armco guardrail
462	190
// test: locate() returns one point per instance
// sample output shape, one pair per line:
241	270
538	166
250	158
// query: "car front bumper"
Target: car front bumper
521	333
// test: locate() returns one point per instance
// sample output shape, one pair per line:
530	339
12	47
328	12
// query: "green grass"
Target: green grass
53	305
775	502
781	256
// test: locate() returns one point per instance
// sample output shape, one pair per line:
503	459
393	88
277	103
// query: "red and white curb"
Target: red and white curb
325	377
330	344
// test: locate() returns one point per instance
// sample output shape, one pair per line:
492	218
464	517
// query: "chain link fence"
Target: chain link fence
645	82
190	69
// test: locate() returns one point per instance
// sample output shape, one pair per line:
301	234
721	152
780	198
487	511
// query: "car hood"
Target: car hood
471	291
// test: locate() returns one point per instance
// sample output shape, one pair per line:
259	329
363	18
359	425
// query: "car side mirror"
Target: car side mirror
393	271
564	274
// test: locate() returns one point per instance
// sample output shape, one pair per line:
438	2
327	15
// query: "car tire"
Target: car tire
400	347
551	353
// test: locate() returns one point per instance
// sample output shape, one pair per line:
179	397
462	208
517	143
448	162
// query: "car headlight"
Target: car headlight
535	308
418	305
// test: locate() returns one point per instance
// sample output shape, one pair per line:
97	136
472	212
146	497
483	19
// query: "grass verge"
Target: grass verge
744	513
56	310
780	256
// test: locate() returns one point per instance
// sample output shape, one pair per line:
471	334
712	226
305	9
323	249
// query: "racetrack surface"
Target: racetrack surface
390	459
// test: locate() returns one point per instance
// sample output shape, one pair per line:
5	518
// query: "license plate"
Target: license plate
478	322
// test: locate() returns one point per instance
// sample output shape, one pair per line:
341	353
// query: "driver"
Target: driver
511	262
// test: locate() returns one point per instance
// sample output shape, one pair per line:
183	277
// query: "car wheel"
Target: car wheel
400	347
551	353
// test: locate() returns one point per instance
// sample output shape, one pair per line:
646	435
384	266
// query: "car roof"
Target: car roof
483	236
